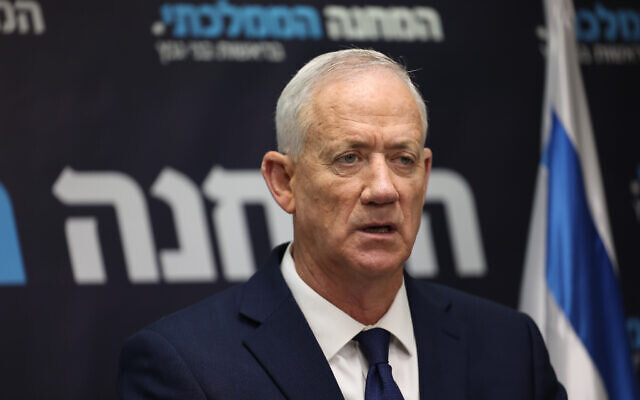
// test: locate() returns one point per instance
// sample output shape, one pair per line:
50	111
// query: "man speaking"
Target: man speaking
332	314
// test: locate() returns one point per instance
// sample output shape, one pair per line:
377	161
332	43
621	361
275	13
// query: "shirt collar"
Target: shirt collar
332	327
397	321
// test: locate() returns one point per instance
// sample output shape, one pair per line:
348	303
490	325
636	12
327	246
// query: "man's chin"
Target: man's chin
379	263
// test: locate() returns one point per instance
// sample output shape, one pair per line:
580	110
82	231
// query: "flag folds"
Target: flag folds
570	285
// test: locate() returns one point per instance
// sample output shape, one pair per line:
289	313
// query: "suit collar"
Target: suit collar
283	343
265	290
286	348
441	346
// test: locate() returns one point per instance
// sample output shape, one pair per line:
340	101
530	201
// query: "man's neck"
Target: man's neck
365	299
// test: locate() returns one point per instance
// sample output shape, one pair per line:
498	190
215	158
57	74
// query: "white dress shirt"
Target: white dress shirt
334	330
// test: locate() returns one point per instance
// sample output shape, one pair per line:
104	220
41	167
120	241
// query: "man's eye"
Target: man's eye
405	160
348	158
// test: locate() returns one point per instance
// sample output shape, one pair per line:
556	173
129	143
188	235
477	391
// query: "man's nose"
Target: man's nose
379	186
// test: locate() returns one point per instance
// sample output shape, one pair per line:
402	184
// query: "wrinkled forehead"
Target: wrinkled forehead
377	91
328	93
353	74
375	107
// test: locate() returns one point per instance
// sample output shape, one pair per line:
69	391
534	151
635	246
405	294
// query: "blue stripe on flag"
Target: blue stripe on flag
11	267
579	272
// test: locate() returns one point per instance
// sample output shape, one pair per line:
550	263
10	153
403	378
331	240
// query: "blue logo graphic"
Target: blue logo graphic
252	21
11	266
602	23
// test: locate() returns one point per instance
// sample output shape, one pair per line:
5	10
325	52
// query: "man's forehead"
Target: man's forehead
374	108
376	92
355	77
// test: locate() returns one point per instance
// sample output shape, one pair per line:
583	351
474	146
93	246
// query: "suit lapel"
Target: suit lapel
283	344
441	347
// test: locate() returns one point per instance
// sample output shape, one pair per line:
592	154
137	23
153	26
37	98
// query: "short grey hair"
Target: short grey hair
292	127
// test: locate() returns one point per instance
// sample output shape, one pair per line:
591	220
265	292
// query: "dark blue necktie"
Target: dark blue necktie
380	384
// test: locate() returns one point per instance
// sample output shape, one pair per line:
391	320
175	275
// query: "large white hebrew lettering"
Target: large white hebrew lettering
119	191
231	190
193	260
423	262
85	252
7	17
24	16
449	188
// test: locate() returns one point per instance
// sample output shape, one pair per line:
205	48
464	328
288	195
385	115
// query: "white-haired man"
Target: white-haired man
332	314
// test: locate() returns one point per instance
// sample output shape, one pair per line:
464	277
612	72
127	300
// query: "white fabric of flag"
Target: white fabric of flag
570	285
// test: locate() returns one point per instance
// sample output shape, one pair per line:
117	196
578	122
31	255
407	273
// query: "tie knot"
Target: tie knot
375	345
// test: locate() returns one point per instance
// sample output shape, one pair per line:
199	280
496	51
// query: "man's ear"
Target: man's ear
277	170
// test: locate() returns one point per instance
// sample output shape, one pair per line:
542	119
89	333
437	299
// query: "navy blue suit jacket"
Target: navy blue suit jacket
253	342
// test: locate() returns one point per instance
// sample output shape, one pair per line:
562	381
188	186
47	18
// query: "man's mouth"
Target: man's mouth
379	229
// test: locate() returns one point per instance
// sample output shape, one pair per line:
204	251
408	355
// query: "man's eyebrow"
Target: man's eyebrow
357	143
404	145
348	145
394	145
351	144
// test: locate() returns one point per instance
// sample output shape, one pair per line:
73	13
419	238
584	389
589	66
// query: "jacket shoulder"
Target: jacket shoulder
504	349
190	354
471	308
205	317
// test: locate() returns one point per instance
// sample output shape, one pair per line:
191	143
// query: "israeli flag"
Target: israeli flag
570	284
